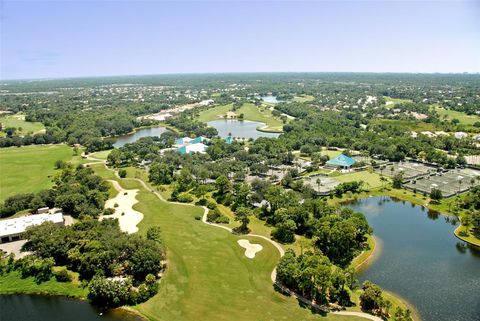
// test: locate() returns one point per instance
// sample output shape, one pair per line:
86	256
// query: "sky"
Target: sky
58	39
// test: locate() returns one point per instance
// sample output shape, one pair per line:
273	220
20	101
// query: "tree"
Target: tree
242	215
397	180
160	173
109	292
285	231
371	298
436	194
475	221
122	173
154	233
223	185
319	184
115	157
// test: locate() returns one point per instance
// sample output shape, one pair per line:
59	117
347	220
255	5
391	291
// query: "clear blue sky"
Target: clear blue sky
94	38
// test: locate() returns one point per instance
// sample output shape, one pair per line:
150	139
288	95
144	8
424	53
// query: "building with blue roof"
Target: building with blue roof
192	148
196	140
187	140
229	139
342	161
182	141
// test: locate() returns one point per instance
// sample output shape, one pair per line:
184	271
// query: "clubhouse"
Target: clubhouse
13	229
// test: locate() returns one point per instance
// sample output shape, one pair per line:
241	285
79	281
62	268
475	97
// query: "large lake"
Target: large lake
51	308
240	128
143	132
423	261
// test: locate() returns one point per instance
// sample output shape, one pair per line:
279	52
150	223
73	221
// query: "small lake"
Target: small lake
270	99
422	260
142	132
240	128
52	308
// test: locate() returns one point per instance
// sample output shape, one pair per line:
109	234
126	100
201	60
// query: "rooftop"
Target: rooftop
19	225
342	160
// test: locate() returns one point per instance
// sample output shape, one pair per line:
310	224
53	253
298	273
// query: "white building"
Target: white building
193	148
460	135
12	229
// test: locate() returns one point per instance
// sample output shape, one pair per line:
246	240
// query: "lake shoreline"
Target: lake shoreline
124	310
456	232
395	221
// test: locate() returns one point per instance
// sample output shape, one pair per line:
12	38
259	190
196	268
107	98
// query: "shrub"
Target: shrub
108	211
62	275
215	216
184	197
211	205
122	173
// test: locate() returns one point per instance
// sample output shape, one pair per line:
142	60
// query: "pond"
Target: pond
53	308
142	132
270	99
422	260
240	128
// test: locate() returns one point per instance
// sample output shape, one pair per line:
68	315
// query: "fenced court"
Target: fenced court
321	184
450	183
410	170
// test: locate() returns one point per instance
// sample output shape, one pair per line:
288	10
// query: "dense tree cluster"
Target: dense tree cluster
373	301
120	268
315	277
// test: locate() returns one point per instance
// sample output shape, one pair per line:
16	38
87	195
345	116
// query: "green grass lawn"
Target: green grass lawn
11	283
391	102
18	121
208	276
214	113
303	99
453	114
372	179
101	155
470	238
250	111
29	169
408	125
330	153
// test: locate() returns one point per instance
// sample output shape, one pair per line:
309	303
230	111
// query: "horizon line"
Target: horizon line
242	72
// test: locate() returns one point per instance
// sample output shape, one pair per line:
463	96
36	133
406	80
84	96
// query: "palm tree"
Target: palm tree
382	167
319	184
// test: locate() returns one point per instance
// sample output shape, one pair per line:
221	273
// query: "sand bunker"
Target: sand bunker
250	249
127	217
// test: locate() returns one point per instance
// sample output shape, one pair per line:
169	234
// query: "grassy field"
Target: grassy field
214	113
250	111
101	155
18	121
453	114
330	153
372	179
208	276
391	102
303	99
30	168
408	125
11	283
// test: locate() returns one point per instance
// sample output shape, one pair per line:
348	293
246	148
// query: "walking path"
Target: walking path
274	272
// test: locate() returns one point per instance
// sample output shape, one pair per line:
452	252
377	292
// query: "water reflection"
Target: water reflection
423	261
